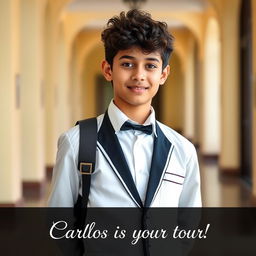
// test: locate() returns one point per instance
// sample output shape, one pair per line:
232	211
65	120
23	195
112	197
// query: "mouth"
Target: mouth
137	89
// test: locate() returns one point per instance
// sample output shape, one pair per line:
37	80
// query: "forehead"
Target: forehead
137	53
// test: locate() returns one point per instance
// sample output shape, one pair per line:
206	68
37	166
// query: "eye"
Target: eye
151	66
127	65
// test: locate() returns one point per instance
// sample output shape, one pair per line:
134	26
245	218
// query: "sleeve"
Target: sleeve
65	180
191	193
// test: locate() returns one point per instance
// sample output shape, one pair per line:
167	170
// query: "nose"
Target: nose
138	74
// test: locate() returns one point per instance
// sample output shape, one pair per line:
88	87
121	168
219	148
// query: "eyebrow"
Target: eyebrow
132	58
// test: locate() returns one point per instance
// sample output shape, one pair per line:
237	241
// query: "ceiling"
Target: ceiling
149	5
117	6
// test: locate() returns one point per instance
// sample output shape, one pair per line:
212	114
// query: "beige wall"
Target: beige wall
173	95
179	112
83	45
92	67
63	86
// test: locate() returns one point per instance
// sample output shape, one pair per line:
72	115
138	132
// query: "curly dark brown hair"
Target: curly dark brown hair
136	28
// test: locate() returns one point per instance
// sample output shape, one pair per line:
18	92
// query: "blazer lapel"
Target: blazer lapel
160	159
109	142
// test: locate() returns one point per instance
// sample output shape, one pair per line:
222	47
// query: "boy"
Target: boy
139	161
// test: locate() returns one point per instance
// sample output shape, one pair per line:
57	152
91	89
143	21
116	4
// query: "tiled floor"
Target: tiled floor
217	191
42	202
223	191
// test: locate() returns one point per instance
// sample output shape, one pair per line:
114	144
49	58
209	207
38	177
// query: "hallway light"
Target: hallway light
134	4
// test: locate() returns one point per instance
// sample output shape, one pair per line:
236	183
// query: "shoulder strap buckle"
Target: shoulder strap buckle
85	168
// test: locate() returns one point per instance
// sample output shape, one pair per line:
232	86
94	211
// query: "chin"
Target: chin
137	103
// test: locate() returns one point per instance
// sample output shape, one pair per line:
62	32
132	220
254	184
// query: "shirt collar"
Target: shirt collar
118	118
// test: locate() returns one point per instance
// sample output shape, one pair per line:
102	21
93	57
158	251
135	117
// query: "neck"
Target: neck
138	114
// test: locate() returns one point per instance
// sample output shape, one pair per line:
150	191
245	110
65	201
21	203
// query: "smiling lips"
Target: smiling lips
137	89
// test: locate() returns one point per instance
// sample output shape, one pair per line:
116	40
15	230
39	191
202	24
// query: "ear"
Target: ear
106	70
164	74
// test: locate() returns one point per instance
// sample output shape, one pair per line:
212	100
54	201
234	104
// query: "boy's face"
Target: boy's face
136	77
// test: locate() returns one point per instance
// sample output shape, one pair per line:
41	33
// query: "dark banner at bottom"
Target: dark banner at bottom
128	231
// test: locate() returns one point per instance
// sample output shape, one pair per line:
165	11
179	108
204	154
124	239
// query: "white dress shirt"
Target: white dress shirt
136	145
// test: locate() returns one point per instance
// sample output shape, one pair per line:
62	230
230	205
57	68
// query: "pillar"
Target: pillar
230	132
10	174
32	95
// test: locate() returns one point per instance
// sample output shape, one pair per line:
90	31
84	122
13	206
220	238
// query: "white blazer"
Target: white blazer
174	175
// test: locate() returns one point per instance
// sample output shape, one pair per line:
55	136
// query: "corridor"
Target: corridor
50	77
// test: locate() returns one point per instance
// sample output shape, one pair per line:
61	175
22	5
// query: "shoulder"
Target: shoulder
71	136
68	142
181	144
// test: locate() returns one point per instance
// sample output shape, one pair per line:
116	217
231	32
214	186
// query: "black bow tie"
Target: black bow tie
144	128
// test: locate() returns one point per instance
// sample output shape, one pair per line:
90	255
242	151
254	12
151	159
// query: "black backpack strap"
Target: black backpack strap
87	155
86	166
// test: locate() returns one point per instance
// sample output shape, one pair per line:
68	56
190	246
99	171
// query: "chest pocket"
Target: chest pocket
170	190
173	178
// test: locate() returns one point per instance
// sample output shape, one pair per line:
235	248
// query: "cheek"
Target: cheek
118	82
155	90
156	80
119	76
116	79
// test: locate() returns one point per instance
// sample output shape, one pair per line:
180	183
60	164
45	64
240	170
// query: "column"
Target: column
32	96
230	132
10	174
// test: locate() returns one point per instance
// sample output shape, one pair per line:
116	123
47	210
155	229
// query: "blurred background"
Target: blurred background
50	76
